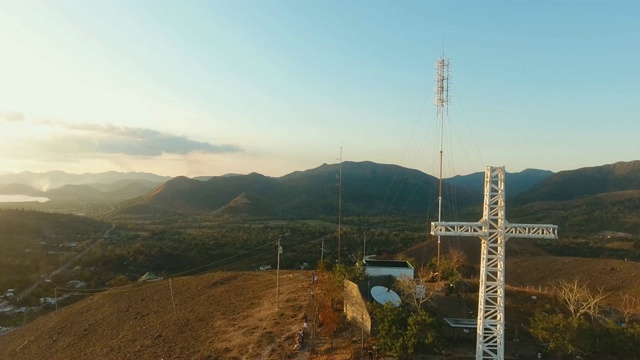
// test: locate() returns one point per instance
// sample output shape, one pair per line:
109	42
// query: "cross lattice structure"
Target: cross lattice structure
494	230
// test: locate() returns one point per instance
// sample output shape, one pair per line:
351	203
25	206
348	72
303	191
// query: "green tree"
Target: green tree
391	321
422	334
557	331
343	272
404	332
626	340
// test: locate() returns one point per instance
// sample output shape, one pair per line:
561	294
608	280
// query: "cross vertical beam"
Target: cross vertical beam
493	230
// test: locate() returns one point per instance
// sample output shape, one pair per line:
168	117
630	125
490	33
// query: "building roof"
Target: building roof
148	277
462	323
387	263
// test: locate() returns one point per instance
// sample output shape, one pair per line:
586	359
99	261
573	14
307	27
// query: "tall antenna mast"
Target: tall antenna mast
340	206
442	103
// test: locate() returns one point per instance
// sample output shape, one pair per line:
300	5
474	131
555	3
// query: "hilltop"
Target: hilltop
231	315
224	315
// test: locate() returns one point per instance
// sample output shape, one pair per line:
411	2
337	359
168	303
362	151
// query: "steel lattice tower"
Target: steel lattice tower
494	230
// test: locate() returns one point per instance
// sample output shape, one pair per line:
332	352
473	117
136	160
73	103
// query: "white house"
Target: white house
9	294
395	268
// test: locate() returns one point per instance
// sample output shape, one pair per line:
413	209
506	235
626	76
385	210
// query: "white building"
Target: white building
9	294
395	268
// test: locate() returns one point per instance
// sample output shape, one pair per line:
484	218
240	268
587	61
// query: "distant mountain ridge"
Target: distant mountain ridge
515	183
584	182
572	199
368	189
42	184
58	185
55	179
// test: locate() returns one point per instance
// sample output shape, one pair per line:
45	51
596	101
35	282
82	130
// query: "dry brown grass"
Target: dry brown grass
231	315
616	277
218	316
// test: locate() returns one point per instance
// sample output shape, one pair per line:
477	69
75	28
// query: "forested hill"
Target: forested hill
584	182
587	201
370	189
515	183
367	189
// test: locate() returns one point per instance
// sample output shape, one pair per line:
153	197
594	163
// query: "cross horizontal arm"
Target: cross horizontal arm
457	229
532	231
512	230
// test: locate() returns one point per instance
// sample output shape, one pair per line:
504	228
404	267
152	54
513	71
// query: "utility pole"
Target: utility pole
340	207
278	274
364	247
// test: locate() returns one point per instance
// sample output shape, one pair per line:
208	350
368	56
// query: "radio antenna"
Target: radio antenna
442	107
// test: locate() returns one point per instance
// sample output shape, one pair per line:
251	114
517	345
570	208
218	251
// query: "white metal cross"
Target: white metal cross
494	230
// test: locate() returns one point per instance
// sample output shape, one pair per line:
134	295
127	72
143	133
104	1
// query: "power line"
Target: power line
89	292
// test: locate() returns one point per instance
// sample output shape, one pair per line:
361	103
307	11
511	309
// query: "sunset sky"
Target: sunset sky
214	87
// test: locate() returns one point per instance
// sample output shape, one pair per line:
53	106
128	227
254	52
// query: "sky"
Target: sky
215	87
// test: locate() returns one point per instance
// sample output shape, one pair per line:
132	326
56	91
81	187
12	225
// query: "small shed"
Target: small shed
395	268
149	277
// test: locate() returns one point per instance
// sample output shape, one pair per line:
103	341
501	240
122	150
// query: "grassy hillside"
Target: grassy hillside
212	319
617	277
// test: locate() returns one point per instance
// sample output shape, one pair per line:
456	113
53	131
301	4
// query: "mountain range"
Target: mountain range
368	189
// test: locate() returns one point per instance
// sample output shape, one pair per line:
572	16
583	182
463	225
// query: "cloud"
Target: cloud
85	138
13	116
110	139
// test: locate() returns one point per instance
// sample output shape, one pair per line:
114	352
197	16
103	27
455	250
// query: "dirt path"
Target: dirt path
283	339
303	353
